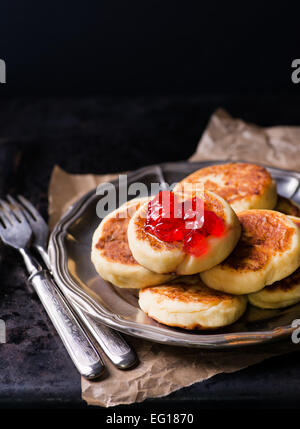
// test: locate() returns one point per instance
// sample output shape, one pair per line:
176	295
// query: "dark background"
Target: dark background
106	86
147	47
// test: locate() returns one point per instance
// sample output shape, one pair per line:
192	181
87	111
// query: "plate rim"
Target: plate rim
81	298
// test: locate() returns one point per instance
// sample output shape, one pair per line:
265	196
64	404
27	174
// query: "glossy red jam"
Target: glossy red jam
189	222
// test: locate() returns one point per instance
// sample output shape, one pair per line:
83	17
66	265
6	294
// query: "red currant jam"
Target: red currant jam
188	222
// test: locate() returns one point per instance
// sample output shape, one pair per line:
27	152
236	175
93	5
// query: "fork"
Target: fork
111	342
15	232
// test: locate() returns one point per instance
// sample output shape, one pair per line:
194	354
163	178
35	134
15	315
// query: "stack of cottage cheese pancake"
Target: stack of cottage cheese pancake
200	253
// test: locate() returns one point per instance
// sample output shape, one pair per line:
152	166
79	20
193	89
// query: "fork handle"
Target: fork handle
44	255
79	346
120	353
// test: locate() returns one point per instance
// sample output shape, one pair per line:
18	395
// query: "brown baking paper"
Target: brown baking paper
226	138
163	369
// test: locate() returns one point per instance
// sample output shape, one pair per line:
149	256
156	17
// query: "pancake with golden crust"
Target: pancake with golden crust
287	206
170	257
244	186
268	251
282	293
187	303
111	255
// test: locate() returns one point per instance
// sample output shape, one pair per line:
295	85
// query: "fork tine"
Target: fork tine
1	229
5	220
30	208
17	208
14	232
8	213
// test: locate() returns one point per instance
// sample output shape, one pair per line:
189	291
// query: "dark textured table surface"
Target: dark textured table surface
102	135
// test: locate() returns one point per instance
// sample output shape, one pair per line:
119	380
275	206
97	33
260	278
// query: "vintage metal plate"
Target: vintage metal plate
69	250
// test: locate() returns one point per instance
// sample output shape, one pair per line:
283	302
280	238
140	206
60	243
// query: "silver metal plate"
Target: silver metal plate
69	249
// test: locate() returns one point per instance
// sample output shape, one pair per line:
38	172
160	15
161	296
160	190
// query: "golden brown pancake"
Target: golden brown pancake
111	254
244	186
282	293
189	304
296	220
170	257
211	203
113	242
268	251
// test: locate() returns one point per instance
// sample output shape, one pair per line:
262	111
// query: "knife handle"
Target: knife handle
80	348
